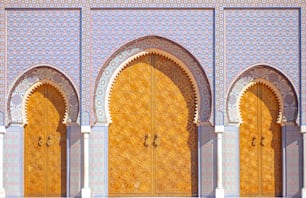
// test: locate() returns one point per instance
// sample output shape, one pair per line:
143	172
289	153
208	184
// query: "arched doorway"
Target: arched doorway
152	136
45	143
260	143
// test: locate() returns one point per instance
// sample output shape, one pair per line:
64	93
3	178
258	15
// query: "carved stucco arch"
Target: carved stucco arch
35	76
272	78
159	46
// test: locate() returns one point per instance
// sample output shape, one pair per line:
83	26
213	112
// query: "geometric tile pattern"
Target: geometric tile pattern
131	50
75	153
231	180
12	161
98	172
277	79
43	36
294	160
12	149
254	36
113	28
208	151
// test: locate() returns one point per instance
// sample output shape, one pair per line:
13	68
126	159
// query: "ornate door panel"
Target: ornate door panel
45	155
152	138
271	144
130	150
249	153
259	108
174	131
35	157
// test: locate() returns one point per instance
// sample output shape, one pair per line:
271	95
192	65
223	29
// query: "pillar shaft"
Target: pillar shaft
2	132
219	190
85	190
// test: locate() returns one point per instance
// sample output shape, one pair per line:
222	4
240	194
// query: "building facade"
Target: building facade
153	98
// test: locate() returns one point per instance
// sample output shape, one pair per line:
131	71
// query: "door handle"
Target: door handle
262	142
253	141
156	140
49	140
40	140
146	139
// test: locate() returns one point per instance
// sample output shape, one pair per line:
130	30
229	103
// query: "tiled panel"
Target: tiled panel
208	146
255	36
13	161
191	28
75	161
43	36
294	161
98	160
231	161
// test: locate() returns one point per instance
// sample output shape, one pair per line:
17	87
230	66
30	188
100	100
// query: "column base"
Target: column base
85	193
219	193
2	193
303	192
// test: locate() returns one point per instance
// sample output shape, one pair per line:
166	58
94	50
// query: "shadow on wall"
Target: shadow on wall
208	149
292	139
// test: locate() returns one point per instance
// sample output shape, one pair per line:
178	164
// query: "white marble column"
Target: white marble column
219	190
303	131
85	130
2	132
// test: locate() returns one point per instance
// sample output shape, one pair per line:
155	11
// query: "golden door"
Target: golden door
260	143
45	144
152	137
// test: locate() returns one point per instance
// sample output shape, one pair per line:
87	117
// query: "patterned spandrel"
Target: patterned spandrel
176	134
45	144
50	36
255	36
259	109
112	28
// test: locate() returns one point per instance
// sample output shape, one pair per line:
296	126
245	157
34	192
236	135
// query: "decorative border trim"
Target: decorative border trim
32	78
275	80
159	46
272	88
32	89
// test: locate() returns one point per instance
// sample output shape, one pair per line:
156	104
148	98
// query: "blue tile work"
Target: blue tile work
98	150
75	161
231	160
294	160
13	161
255	36
191	28
43	36
208	163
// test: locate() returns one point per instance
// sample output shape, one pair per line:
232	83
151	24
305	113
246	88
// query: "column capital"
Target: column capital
2	130
219	129
86	129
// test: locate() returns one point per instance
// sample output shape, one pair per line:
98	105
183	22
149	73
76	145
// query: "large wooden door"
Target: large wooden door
152	137
260	143
45	144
